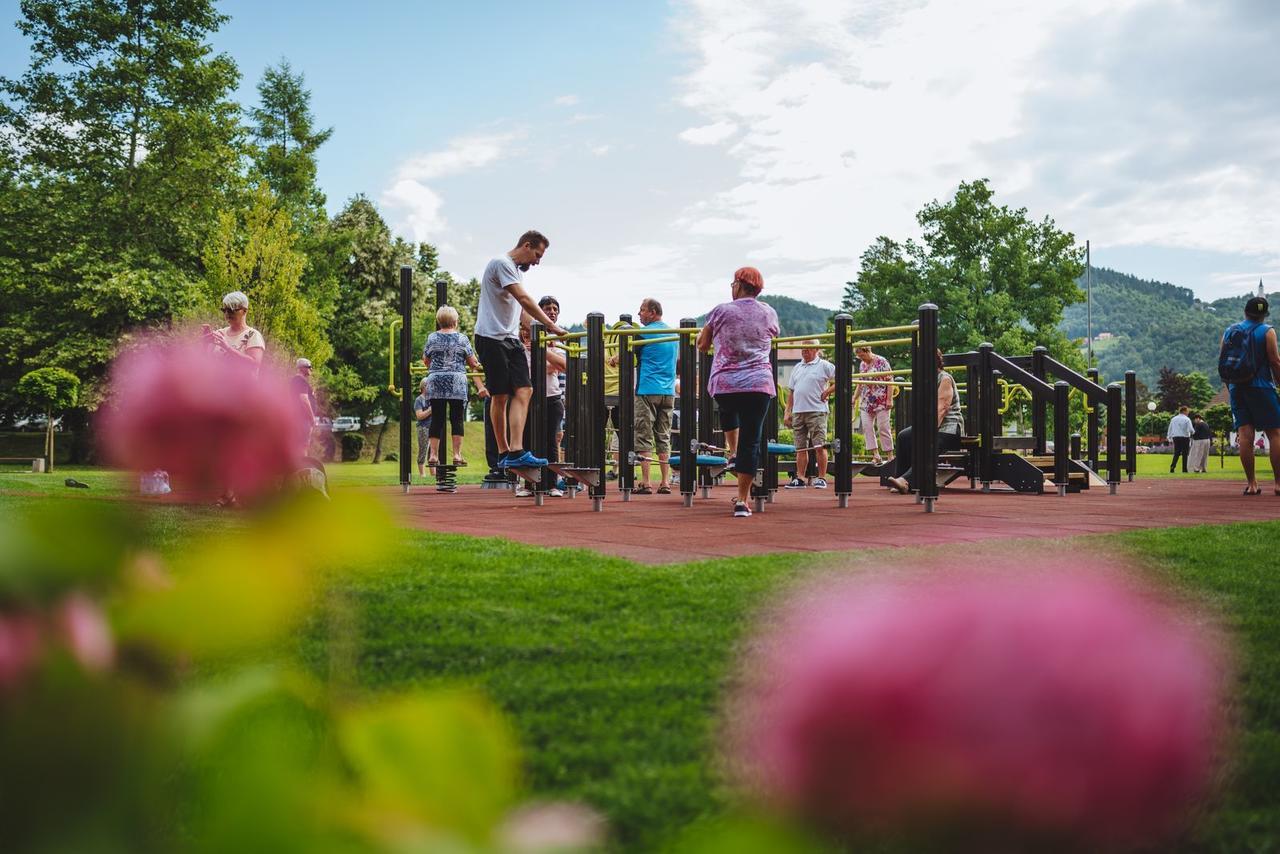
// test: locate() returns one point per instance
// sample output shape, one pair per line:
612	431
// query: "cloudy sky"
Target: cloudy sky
662	145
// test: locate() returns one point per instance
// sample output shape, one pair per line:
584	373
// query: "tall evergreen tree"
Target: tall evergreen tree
286	143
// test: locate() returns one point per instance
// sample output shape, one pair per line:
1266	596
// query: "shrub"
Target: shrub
352	445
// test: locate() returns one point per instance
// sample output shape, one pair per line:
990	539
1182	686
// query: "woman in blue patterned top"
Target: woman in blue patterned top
447	354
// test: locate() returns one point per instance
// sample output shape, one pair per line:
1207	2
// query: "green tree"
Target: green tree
121	146
1176	390
994	274
369	259
49	390
255	252
286	141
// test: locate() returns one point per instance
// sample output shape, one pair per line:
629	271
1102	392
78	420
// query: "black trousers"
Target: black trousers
457	410
1181	447
905	461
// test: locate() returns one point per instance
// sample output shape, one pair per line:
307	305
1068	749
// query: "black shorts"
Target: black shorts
506	368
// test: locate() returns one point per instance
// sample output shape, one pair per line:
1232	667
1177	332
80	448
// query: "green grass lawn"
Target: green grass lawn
612	671
1157	465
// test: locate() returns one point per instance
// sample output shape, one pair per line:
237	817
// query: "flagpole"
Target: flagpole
1088	303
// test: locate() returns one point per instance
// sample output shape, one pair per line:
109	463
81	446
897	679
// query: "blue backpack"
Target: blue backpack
1238	360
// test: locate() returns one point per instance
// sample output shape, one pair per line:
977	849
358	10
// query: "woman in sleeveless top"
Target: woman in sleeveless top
950	429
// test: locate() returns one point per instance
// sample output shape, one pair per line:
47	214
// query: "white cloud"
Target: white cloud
566	100
463	154
415	208
600	150
711	134
843	117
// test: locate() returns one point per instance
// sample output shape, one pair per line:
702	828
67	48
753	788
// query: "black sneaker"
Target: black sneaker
795	483
741	510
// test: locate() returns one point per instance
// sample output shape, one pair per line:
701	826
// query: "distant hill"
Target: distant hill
796	317
1152	325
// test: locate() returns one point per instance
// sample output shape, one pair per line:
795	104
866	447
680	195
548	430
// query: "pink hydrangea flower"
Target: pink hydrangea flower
20	646
1060	702
85	631
213	423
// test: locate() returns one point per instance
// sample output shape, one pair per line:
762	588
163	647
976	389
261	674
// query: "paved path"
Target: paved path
657	529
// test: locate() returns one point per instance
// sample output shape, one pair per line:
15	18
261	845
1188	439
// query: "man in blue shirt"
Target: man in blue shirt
655	398
1253	404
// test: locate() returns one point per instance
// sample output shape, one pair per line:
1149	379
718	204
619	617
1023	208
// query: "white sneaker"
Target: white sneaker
741	510
524	492
556	493
819	483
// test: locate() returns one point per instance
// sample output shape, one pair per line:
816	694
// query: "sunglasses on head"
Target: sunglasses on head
227	310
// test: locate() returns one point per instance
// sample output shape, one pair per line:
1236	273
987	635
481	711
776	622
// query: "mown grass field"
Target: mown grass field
612	672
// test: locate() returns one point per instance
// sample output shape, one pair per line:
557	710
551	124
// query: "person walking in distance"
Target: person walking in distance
503	300
1179	433
1201	439
1249	362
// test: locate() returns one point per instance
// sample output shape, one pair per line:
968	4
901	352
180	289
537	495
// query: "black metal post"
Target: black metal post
626	416
442	292
984	385
572	412
1114	441
1039	425
595	406
1131	421
1061	437
925	432
537	415
706	418
843	413
1092	429
689	427
768	474
406	377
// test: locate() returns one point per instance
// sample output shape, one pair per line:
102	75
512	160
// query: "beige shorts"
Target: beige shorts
653	422
809	428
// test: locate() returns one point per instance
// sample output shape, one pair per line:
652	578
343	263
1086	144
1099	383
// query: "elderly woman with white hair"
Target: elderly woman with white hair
238	339
447	354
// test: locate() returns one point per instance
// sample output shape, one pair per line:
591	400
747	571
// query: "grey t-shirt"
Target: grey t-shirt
499	314
808	381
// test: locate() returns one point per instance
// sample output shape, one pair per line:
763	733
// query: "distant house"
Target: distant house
1223	396
1102	336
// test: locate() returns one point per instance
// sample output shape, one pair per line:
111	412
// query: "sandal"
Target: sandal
1258	491
663	489
642	490
459	462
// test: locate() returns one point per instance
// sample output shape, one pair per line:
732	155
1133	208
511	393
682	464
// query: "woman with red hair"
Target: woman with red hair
742	332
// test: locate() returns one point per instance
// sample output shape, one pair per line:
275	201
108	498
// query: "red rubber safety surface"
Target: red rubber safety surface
659	529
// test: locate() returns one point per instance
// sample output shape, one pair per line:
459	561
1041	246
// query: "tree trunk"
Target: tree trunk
377	446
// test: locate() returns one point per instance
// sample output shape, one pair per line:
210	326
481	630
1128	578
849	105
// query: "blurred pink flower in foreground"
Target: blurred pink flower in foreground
213	423
19	646
85	630
1061	702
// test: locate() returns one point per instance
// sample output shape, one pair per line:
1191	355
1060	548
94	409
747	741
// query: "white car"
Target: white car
345	423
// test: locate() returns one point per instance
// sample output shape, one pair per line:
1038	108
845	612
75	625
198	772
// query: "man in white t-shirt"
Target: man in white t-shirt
503	300
806	415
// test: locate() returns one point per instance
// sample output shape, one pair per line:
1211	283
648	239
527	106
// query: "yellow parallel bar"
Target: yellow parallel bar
640	330
568	336
391	357
643	341
884	341
880	330
817	336
883	382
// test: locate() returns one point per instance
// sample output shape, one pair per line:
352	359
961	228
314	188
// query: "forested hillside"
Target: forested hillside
795	316
1155	325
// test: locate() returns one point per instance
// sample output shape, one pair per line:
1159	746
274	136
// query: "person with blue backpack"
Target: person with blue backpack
1249	362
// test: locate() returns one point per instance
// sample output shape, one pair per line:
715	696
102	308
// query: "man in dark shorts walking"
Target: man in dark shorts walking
503	304
1254	405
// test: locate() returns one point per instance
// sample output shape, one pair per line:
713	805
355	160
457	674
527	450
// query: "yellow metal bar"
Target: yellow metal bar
568	336
817	336
899	383
391	357
886	341
643	341
640	330
880	330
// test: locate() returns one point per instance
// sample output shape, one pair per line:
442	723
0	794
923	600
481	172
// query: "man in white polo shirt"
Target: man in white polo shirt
806	415
503	303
